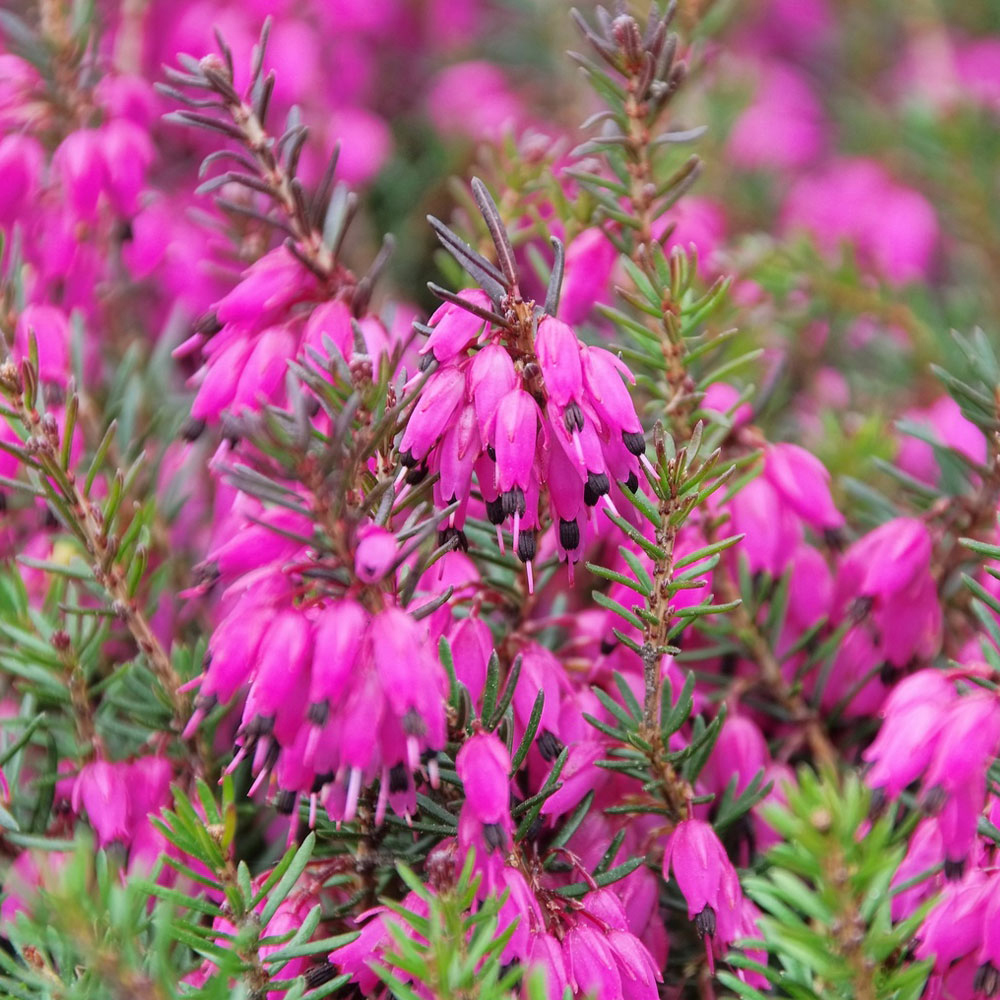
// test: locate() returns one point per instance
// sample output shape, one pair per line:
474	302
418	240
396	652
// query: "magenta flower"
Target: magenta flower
21	159
565	420
589	262
706	879
102	791
944	420
51	331
802	482
485	823
893	228
884	584
590	962
783	128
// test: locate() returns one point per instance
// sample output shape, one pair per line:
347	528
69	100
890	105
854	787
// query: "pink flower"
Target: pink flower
884	582
723	398
101	790
591	963
977	64
803	483
485	823
783	128
453	329
375	553
80	164
266	290
589	262
366	142
21	162
740	752
944	420
893	228
705	877
51	331
473	99
699	221
914	714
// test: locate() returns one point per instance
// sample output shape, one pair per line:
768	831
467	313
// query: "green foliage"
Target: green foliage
826	897
454	952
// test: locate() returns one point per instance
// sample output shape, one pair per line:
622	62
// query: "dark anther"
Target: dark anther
888	674
509	967
192	429
260	725
834	537
399	778
208	324
319	781
608	646
407	459
320	974
513	500
413	724
597	485
445	535
954	870
428	755
319	712
426	361
491	451
859	608
632	483
526	546
207	573
494	836
987	980
494	511
879	802
635	442
285	802
934	800
549	745
205	703
705	922
417	475
569	534
573	417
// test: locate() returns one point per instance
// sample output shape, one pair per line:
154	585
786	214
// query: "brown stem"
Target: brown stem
102	549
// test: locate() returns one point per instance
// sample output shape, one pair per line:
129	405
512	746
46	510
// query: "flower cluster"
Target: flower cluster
533	413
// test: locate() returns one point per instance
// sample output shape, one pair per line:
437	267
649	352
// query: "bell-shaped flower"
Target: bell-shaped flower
102	792
705	877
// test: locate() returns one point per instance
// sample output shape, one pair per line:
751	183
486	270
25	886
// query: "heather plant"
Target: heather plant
485	523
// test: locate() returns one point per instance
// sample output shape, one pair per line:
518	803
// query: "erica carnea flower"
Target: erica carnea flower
518	403
707	880
944	739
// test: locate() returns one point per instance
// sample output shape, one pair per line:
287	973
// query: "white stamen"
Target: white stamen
353	792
